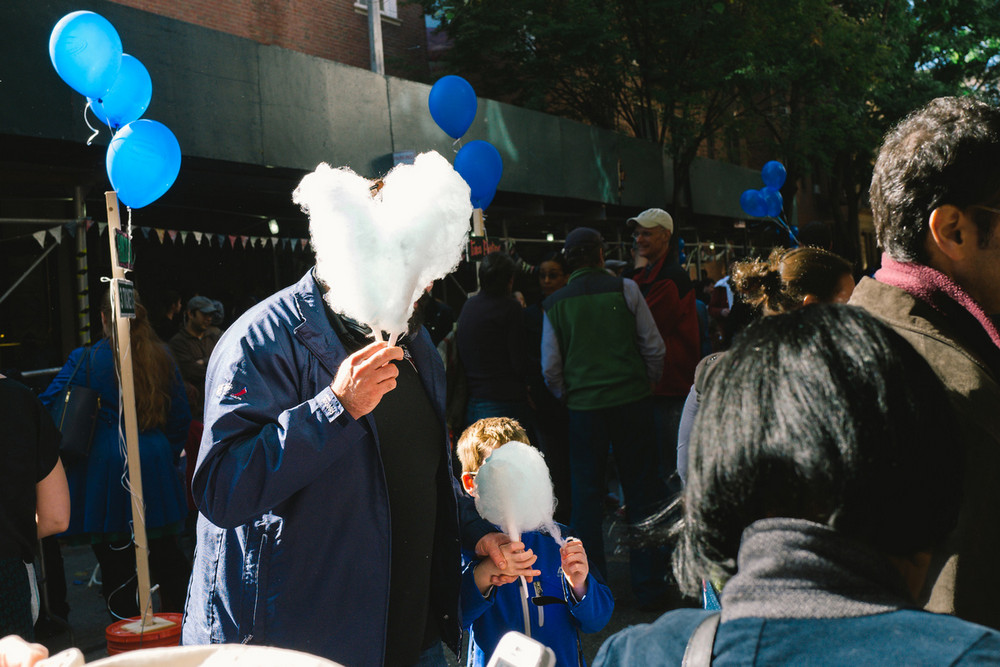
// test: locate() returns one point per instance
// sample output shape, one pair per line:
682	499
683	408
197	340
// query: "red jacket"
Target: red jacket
670	296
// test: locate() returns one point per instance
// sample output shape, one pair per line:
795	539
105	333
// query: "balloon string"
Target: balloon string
456	145
93	129
129	231
787	228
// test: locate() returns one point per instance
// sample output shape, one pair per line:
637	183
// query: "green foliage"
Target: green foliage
814	83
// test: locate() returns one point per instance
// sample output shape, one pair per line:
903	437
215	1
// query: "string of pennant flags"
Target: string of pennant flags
172	236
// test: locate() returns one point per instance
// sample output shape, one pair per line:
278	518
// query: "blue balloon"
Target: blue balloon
773	174
129	95
453	103
143	161
480	165
86	51
773	203
485	202
752	202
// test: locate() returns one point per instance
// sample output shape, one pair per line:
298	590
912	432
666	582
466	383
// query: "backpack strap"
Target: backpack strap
699	647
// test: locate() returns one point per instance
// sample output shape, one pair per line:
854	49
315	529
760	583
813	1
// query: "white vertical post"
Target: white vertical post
375	36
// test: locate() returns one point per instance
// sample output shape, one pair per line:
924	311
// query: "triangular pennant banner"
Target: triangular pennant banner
232	241
184	237
243	241
101	226
221	239
172	233
70	228
90	223
144	231
254	241
302	243
197	237
274	241
159	233
56	233
40	237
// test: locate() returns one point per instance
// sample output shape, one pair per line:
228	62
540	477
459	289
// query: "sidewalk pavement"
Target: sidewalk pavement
89	618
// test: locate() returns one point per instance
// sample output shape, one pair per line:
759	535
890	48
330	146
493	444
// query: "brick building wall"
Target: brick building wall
331	29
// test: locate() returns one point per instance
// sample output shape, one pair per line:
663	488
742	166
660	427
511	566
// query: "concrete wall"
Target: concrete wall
233	99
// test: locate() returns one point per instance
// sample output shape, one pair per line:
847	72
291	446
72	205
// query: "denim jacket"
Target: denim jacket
293	533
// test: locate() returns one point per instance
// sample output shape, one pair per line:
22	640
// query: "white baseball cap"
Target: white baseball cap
653	217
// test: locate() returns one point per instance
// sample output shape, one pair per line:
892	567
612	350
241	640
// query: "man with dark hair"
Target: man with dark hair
491	344
670	295
935	198
602	354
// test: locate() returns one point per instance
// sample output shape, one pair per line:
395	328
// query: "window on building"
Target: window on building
388	7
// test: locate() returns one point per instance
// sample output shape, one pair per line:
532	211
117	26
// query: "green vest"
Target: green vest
602	366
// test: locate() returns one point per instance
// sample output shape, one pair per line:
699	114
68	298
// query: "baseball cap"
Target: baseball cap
582	236
653	217
202	303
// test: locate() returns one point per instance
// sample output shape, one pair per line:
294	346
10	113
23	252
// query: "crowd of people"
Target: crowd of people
830	473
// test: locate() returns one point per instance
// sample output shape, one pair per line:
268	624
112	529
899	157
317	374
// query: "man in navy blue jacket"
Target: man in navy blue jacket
327	506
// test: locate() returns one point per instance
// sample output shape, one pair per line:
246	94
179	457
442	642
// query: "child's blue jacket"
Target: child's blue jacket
492	617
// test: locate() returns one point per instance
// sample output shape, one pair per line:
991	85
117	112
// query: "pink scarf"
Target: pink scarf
930	285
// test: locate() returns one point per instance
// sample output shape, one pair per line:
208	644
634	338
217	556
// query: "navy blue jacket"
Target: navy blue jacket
293	532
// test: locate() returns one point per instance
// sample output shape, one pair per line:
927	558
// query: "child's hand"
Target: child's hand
492	545
518	563
575	566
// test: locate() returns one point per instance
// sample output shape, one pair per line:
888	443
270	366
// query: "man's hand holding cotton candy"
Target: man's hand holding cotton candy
365	377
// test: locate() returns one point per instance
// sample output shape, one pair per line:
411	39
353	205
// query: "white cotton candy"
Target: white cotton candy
378	254
514	491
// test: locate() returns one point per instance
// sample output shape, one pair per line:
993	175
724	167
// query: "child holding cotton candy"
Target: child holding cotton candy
512	487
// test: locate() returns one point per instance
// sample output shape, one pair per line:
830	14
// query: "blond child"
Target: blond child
574	599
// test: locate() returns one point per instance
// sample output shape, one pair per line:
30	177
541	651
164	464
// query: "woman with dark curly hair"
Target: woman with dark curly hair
787	280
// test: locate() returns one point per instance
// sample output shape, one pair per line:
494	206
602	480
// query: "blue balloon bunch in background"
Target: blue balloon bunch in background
767	201
143	157
452	103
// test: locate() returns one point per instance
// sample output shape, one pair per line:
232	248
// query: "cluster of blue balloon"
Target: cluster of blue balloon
766	202
453	103
143	157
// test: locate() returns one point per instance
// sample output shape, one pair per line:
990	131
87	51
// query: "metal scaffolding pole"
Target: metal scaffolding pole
82	278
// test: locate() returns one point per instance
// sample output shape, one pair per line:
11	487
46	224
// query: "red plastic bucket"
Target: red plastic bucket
121	640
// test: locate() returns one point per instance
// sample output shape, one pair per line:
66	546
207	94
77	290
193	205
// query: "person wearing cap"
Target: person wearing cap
192	346
670	295
601	355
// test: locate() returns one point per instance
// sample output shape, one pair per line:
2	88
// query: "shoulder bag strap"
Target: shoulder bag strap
90	360
699	648
72	375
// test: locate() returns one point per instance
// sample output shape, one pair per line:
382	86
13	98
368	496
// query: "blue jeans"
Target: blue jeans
480	408
630	429
432	657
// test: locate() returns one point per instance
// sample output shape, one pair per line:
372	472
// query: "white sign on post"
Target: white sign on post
125	305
